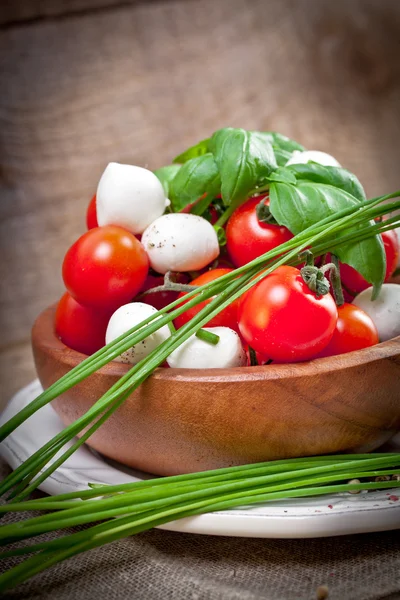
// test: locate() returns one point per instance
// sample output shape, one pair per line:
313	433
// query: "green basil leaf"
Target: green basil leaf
193	152
336	176
202	206
244	159
281	141
166	175
283	146
283	175
198	176
298	207
281	156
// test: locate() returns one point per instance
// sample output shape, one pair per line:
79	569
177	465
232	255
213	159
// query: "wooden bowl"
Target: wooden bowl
183	420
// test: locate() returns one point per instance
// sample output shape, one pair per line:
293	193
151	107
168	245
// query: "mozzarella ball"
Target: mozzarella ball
195	353
129	196
180	242
384	311
125	318
298	157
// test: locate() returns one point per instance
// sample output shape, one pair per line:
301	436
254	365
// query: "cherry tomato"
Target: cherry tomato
160	299
80	327
282	318
105	268
91	214
355	282
392	251
226	318
247	237
354	330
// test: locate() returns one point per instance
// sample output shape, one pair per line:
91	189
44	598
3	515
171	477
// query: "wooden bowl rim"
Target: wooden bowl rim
44	336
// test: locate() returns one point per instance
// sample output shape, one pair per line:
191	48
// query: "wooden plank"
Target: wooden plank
140	83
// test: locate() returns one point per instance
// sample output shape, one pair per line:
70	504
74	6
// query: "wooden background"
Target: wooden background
85	82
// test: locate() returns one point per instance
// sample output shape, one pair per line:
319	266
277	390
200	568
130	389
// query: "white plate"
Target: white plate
338	514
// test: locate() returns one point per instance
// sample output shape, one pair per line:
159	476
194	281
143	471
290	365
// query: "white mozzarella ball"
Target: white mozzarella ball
298	158
180	242
384	311
125	318
195	353
129	196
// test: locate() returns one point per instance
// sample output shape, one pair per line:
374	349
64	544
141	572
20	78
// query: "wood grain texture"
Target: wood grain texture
183	420
139	83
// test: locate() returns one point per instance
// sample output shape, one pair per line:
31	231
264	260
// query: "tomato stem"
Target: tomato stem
264	214
334	272
315	280
308	256
169	285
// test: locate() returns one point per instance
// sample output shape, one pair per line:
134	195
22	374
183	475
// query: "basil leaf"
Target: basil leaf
198	176
283	146
244	159
281	141
336	176
283	175
202	205
166	175
281	156
298	207
193	152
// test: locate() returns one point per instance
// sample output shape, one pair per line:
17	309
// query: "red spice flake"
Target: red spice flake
393	498
330	506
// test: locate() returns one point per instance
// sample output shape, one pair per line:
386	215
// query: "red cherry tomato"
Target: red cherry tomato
392	251
160	299
80	327
91	214
282	318
355	282
105	268
354	330
247	237
226	318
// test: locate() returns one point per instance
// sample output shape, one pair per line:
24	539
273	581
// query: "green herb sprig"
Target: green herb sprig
128	509
236	164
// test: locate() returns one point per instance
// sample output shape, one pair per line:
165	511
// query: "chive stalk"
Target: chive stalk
156	502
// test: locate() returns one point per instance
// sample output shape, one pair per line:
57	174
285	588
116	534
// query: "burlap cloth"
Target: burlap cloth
163	565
